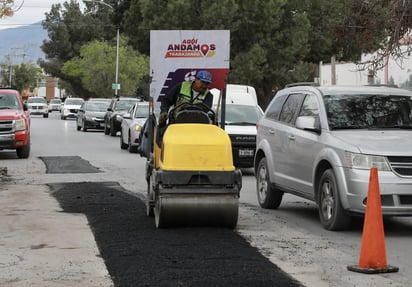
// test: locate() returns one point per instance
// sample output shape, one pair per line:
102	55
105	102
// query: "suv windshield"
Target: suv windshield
368	111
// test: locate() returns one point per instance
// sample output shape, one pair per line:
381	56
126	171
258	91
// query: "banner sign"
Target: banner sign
177	55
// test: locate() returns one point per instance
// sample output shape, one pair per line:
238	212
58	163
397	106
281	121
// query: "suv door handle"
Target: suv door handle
291	137
271	131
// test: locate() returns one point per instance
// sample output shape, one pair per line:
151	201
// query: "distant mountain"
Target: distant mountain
23	43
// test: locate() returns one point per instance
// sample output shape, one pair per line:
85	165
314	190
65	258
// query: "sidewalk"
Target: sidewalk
36	249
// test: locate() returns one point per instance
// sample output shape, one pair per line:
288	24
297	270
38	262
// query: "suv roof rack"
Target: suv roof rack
313	84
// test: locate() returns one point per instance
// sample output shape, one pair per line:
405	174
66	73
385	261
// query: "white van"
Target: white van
242	114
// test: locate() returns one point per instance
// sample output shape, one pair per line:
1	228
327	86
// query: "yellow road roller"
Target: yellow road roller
189	171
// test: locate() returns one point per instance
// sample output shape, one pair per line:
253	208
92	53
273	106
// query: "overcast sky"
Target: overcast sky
31	11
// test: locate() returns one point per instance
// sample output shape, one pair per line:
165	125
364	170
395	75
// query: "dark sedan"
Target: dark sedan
91	115
113	117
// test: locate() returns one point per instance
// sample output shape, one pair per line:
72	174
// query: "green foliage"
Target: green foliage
273	42
96	68
68	30
27	76
23	76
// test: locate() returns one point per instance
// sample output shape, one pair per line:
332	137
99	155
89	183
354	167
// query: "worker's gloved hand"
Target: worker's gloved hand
162	119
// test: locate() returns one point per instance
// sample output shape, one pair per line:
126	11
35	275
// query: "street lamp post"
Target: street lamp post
117	63
116	85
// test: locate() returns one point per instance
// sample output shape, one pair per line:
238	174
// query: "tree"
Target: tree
24	76
398	30
269	38
6	8
96	68
27	76
273	42
68	30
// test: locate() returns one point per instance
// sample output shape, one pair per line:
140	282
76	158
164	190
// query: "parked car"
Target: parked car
320	143
70	108
132	124
55	105
38	106
91	115
113	117
242	114
14	123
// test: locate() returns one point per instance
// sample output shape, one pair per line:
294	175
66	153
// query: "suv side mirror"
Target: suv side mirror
308	123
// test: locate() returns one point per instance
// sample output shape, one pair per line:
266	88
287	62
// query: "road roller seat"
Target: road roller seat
192	116
191	113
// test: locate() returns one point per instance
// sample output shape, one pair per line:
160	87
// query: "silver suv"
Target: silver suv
319	143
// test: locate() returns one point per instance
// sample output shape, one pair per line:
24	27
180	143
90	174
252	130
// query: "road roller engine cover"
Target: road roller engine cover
190	173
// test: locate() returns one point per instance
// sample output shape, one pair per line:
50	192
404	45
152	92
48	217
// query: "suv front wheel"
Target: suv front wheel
268	196
331	213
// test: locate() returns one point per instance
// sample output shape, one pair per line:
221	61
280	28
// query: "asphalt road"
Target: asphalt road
290	238
134	252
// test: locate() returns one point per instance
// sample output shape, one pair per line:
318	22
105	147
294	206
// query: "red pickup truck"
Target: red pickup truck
14	123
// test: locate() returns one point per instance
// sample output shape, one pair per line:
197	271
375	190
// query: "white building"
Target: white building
350	73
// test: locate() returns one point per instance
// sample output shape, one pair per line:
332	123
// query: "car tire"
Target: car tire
331	213
84	127
24	151
268	196
130	147
122	144
106	129
79	127
45	115
112	130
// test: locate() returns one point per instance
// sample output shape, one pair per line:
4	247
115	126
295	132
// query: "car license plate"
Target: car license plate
246	152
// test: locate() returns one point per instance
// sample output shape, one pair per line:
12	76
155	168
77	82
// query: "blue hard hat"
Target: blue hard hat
204	76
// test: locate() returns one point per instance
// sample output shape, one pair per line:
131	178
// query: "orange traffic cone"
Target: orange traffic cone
373	252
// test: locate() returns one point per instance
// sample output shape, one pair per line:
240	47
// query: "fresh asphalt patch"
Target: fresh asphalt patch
68	164
136	253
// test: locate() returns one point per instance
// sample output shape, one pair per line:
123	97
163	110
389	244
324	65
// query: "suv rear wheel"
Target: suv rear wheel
268	196
331	213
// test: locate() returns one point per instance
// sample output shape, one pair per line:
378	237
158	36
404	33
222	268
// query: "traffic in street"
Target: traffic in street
95	191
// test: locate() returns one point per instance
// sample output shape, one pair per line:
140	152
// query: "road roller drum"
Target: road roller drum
191	177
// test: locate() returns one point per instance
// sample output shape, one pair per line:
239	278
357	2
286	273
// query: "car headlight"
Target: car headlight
137	128
20	125
364	161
